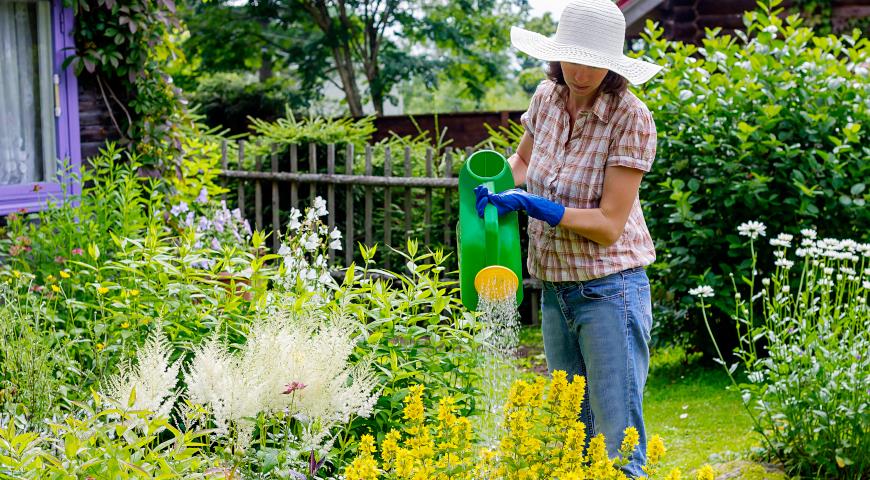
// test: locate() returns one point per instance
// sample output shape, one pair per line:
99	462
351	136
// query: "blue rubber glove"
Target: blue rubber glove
516	199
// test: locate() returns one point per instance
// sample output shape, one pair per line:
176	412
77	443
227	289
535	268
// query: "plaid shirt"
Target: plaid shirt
619	130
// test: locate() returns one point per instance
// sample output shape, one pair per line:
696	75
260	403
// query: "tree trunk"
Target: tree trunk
265	71
340	53
344	64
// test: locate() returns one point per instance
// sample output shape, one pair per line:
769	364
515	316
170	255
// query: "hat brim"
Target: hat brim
544	48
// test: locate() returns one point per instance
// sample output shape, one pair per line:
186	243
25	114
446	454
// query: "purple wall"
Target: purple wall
34	196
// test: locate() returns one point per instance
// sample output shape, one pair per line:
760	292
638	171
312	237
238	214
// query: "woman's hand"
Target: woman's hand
516	199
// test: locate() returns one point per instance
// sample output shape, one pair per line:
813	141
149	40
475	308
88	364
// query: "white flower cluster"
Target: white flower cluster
701	291
305	248
150	383
297	366
752	229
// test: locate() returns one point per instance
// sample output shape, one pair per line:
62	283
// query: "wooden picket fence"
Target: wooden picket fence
298	172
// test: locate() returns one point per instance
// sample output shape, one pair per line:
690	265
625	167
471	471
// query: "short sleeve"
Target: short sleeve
633	143
529	118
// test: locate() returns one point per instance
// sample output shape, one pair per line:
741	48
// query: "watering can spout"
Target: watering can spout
496	283
490	264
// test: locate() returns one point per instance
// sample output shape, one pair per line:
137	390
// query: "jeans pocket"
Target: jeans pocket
643	297
606	288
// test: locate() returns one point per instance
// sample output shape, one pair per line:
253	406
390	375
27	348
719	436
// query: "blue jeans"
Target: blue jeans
600	329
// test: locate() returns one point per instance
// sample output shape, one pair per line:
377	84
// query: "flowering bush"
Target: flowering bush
99	268
290	383
804	343
542	438
305	249
215	227
773	118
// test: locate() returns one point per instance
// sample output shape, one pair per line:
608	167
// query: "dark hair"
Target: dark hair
612	83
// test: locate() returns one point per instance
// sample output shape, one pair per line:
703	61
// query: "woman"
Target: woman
587	143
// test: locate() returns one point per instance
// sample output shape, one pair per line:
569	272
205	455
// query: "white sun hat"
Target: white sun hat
590	32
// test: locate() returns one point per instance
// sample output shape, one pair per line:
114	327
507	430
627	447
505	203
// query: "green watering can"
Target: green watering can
490	262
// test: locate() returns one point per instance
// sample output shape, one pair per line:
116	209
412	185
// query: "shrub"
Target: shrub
105	267
229	99
771	121
806	354
103	443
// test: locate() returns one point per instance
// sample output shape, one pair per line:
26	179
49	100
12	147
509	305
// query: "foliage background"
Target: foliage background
771	125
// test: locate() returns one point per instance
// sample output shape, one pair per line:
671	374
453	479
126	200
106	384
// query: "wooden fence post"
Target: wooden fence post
276	203
312	167
241	190
448	198
348	208
294	186
258	193
369	206
330	194
427	218
388	210
408	173
224	166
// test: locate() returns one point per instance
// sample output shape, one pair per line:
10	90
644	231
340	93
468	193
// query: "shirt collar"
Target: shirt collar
601	107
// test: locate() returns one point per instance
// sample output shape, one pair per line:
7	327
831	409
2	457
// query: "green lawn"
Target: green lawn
690	407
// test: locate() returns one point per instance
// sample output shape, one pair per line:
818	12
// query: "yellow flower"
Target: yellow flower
362	468
655	450
64	274
629	443
706	473
16	273
125	325
675	475
414	404
390	446
367	444
133	292
55	288
100	346
102	290
50	279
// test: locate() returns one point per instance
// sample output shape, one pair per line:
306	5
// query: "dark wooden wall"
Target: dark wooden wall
685	20
94	121
465	129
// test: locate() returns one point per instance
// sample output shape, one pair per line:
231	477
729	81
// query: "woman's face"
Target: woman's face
582	80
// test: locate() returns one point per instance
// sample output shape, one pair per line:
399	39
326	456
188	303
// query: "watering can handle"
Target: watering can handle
490	225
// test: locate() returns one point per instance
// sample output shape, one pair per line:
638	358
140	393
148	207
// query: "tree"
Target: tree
369	45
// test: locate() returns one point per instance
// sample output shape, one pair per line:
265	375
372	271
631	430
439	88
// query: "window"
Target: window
39	142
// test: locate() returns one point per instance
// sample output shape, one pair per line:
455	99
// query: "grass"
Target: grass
691	407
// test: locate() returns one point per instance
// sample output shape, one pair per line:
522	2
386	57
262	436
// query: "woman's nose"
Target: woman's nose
581	74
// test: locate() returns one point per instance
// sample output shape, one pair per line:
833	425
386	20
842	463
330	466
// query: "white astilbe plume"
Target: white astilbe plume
217	380
153	378
287	364
314	353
